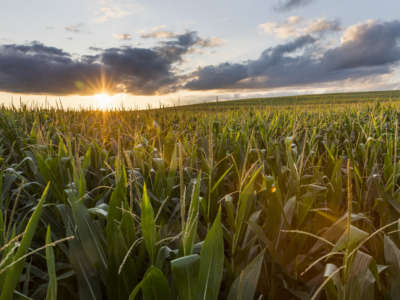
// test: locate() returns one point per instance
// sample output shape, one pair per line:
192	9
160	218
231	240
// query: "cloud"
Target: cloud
227	75
368	49
77	28
211	42
287	5
296	26
123	36
158	34
114	10
365	51
38	69
367	45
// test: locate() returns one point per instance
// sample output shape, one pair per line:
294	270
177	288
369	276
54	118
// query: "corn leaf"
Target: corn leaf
244	287
51	269
14	273
211	262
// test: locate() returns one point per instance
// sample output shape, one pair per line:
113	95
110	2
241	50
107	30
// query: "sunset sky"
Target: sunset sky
170	52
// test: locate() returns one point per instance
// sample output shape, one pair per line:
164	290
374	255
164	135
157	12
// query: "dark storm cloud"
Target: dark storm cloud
223	76
148	71
287	5
368	44
226	75
36	68
366	49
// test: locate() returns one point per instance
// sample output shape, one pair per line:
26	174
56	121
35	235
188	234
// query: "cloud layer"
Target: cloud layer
36	68
366	49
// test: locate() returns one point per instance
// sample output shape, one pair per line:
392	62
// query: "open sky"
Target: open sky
180	51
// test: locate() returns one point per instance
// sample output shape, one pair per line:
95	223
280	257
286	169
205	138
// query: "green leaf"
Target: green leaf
1	189
356	235
230	211
88	281
114	207
148	225
89	236
171	176
220	179
128	228
336	287
51	269
244	287
20	296
185	271
361	281
246	199
190	231
2	227
392	257
13	274
119	233
392	254
165	254
154	286
86	160
211	262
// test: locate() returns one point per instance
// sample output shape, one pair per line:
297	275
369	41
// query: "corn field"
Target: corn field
250	203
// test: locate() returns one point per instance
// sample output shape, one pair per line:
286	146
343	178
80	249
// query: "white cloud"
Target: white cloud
296	26
158	34
116	10
352	32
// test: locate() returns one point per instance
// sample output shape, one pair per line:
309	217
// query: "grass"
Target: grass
239	201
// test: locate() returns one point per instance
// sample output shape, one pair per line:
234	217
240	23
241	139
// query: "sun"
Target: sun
103	100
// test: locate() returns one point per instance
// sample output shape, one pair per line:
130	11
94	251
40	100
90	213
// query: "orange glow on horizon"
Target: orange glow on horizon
103	100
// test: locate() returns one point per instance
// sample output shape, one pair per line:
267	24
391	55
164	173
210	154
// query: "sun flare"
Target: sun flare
103	100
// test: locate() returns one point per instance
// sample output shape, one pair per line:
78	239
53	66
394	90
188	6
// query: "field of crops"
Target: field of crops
301	100
250	203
